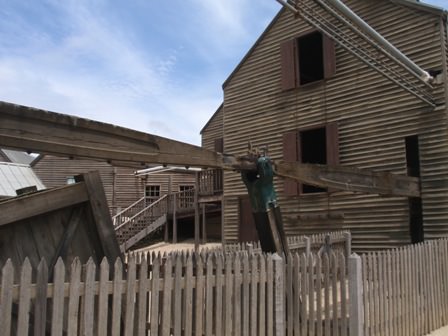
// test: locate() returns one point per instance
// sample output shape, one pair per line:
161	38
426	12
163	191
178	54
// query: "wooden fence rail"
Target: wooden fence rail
406	290
397	292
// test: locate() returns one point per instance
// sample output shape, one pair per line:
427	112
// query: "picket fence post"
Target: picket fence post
355	294
279	296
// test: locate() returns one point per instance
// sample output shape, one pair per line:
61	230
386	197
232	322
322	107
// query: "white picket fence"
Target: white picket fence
397	292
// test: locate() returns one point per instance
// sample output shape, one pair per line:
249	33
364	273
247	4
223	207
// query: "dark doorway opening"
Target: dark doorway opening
311	58
313	148
415	203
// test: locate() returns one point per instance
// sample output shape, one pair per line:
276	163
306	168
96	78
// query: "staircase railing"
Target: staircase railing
129	212
142	220
210	182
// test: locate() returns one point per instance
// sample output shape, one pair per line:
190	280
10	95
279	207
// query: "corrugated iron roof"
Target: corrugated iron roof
18	157
15	176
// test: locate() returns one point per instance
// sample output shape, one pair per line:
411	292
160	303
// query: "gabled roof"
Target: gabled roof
15	176
211	118
17	157
416	4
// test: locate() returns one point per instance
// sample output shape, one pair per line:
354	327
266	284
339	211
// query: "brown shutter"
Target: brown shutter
288	64
219	145
332	143
290	154
329	57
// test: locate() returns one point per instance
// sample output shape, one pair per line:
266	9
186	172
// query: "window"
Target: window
317	145
70	180
152	192
307	59
185	187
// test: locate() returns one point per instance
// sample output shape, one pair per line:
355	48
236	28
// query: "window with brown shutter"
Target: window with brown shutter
316	145
307	59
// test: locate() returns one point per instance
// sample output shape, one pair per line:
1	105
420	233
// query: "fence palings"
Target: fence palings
406	289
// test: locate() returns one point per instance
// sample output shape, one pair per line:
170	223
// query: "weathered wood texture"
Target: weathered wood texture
373	116
184	295
68	222
405	290
121	185
213	130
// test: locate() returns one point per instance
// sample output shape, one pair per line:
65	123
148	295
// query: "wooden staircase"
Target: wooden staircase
140	220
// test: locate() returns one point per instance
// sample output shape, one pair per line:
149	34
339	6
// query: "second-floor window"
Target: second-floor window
306	59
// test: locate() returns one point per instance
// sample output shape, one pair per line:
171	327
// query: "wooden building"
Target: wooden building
304	98
122	185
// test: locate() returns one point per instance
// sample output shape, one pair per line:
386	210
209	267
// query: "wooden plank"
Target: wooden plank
296	298
73	299
289	297
303	291
6	297
254	304
24	299
130	298
334	291
237	296
326	264
319	296
270	296
166	303
188	297
262	325
117	298
57	318
209	284
59	134
312	292
344	309
199	302
89	299
103	308
177	304
40	302
245	296
350	179
219	313
101	216
43	202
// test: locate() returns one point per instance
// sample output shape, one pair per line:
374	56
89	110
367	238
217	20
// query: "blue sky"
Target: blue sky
155	66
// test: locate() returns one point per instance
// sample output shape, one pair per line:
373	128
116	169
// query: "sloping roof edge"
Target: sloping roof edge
211	118
409	3
421	6
246	56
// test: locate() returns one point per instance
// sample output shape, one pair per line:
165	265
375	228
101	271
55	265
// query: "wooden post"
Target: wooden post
307	246
348	243
174	219
196	213
204	225
279	296
355	294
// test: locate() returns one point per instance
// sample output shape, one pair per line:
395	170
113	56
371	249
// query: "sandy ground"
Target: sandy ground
183	246
440	332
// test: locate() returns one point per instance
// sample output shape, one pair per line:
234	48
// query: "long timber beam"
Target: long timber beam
350	179
45	132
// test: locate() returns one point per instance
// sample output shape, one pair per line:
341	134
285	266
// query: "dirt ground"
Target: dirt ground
182	246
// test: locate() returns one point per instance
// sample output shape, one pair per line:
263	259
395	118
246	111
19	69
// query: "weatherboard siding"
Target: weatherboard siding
373	114
213	130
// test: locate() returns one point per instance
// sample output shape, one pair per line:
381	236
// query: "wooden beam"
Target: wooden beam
19	208
58	134
350	179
